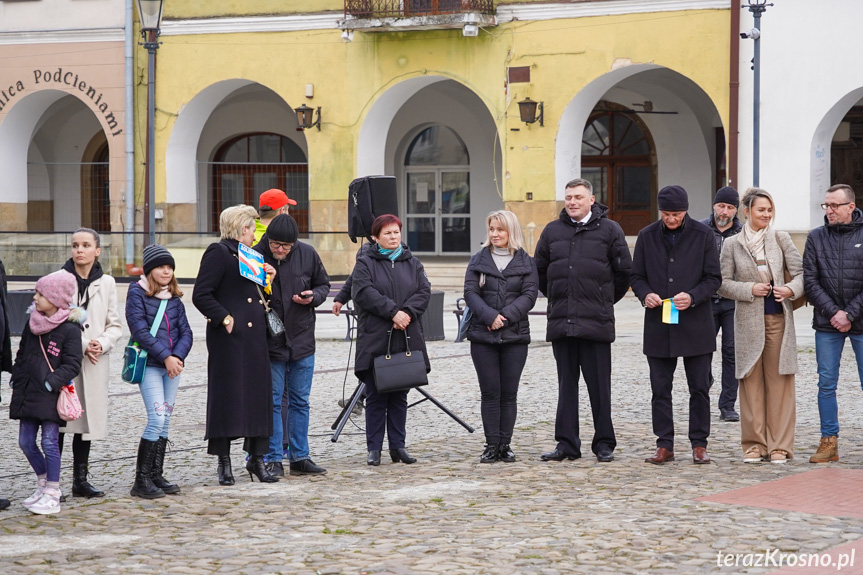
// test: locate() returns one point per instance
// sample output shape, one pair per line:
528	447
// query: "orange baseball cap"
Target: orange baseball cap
275	199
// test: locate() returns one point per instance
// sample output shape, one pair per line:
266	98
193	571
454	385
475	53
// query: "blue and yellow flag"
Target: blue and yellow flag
669	312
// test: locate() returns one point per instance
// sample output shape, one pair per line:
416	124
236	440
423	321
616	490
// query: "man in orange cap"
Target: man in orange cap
272	203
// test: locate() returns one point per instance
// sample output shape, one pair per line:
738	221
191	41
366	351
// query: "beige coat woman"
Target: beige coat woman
739	274
765	345
102	324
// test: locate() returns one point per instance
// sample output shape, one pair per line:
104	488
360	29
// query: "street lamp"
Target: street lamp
150	14
304	118
757	7
527	111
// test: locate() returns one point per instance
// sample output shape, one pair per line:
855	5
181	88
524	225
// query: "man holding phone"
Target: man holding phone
301	284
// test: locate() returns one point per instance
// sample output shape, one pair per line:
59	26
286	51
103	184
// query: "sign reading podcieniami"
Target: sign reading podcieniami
44	78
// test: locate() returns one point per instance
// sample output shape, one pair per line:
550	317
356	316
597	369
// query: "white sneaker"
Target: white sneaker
37	495
48	504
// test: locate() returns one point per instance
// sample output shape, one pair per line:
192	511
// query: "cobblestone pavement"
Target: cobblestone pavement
446	514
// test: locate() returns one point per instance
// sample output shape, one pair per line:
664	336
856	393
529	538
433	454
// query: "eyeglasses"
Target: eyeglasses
280	246
834	207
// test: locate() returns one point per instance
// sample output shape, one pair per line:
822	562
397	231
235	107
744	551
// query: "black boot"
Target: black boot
158	461
490	453
374	457
226	475
4	503
143	486
80	486
257	468
401	454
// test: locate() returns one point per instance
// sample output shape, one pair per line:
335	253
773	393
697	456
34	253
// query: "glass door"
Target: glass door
437	214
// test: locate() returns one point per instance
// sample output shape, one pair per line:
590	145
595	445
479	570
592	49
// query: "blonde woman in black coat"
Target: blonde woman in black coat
500	288
391	292
239	386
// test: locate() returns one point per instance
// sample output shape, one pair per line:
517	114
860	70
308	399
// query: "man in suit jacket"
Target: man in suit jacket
676	259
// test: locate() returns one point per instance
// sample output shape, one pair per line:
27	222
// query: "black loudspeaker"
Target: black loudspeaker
368	198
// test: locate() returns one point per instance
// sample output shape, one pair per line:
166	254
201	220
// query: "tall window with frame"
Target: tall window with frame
250	164
618	157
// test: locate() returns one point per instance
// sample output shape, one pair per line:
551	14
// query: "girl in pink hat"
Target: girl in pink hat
48	358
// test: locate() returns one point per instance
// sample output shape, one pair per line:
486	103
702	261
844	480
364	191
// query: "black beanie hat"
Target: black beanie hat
155	256
283	228
727	195
672	199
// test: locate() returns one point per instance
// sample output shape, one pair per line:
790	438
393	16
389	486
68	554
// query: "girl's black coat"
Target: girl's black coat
510	293
381	289
239	383
30	398
174	336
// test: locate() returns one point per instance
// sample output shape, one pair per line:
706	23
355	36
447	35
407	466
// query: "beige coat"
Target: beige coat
739	274
102	324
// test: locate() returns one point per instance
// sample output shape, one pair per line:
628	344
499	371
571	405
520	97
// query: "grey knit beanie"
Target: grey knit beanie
155	256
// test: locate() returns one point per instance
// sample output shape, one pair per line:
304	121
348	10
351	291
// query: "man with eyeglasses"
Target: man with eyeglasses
833	278
301	285
272	203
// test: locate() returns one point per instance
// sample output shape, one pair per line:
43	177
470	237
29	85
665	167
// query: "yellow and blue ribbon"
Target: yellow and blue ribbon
669	312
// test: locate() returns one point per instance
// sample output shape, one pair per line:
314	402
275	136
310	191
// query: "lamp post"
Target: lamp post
150	13
756	7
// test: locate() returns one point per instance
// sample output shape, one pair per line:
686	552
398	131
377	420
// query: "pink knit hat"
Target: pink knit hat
59	288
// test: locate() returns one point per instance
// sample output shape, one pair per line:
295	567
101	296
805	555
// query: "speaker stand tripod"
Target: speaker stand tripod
342	419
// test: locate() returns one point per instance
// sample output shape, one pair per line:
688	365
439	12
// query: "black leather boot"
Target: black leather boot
80	486
226	475
143	486
374	457
490	453
257	468
401	454
158	462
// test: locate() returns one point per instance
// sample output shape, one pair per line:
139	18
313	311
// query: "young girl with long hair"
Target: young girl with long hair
97	294
166	352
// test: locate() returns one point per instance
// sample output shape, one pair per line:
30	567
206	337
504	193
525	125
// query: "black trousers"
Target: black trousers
661	381
498	369
384	411
251	445
723	318
593	360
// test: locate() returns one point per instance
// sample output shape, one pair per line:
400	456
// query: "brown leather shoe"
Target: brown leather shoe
661	456
699	455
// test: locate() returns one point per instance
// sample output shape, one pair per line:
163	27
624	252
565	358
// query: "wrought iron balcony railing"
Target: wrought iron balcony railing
415	8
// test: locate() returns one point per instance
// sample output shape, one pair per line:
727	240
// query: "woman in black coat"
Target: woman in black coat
391	292
500	288
239	386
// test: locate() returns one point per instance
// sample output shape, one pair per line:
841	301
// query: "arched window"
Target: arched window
250	164
617	157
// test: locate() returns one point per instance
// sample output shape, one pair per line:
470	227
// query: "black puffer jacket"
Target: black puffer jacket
382	288
833	272
510	293
301	270
584	271
30	398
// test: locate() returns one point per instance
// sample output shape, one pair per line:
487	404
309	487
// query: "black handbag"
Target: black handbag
400	371
275	325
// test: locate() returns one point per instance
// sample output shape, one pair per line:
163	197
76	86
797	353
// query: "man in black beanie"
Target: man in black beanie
301	285
725	224
676	262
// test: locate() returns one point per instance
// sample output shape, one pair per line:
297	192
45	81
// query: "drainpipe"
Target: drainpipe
734	97
130	136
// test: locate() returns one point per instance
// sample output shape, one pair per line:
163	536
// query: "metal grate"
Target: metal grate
242	183
413	8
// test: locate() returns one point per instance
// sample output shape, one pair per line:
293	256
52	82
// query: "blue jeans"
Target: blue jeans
49	462
293	378
828	353
159	393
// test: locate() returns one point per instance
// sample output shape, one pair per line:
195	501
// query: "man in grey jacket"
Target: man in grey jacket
725	224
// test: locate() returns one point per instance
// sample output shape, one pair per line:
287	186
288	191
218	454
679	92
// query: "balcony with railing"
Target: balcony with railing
391	15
